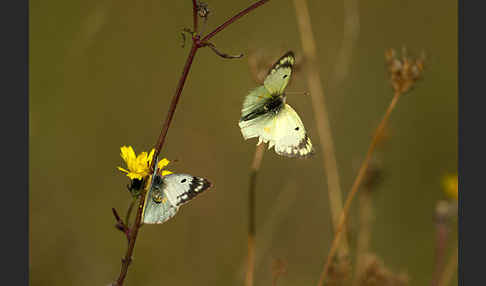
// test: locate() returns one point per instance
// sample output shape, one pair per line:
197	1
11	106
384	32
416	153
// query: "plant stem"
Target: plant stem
321	117
129	212
364	233
196	44
356	185
255	167
441	237
173	105
449	270
234	18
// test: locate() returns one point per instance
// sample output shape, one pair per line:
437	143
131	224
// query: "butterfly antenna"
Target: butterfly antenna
307	93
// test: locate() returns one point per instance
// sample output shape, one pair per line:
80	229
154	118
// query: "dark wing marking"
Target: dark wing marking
286	60
197	186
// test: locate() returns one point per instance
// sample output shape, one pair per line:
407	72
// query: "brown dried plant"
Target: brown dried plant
377	274
404	72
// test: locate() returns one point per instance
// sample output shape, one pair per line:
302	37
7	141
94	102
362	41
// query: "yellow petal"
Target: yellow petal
134	176
151	156
130	158
162	163
142	159
165	172
123	170
127	153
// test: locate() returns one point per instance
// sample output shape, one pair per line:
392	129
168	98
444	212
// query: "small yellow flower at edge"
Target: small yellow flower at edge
451	186
138	166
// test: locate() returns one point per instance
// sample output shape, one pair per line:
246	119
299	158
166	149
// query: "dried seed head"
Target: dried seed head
404	71
203	10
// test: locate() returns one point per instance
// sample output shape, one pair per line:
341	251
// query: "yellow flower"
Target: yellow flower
139	166
451	186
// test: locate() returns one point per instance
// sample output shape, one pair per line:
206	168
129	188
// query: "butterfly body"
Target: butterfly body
267	116
168	193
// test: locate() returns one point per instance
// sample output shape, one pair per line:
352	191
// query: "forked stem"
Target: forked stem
196	44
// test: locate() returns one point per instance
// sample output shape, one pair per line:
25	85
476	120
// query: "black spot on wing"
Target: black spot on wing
197	185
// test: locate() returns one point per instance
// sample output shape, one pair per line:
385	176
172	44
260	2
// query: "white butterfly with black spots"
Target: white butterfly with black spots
266	115
168	193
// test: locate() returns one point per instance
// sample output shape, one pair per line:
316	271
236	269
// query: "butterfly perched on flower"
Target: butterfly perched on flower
266	115
167	193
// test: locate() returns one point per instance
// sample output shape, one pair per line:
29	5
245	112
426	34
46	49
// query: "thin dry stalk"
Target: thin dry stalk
255	167
321	118
366	218
344	55
449	270
442	234
364	233
404	73
356	184
277	214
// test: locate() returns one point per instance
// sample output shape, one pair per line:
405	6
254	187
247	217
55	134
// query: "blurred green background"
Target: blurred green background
102	74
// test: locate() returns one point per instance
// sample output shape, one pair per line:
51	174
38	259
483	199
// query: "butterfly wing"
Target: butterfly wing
289	135
279	75
168	193
158	209
283	130
259	127
253	105
180	188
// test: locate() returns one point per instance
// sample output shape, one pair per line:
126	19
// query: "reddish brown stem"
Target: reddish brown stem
196	44
160	142
441	237
440	248
120	225
234	18
173	104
